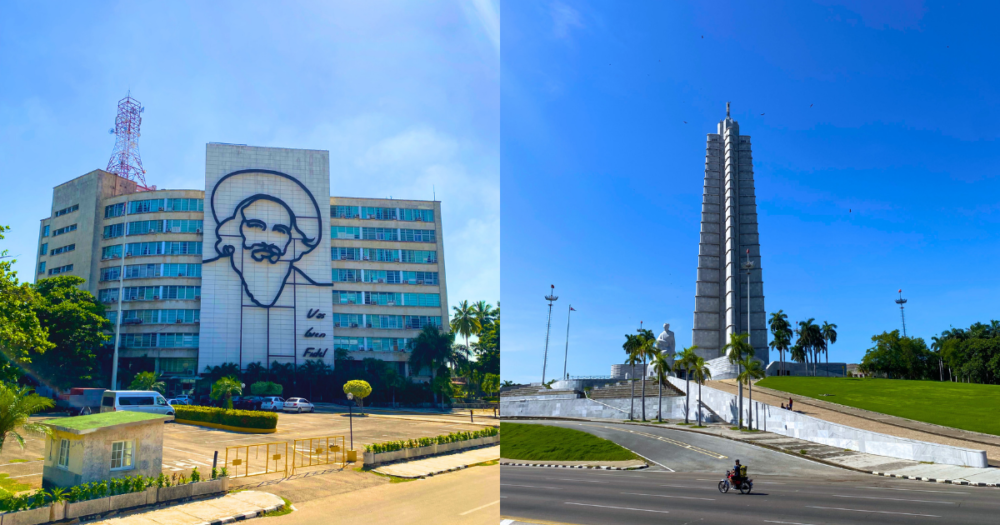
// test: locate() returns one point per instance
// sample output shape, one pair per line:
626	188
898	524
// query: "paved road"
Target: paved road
787	489
676	450
465	497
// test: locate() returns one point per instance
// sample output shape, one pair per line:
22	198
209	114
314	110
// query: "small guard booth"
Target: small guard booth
103	446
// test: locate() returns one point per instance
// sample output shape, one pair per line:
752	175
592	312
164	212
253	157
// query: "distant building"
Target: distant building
266	267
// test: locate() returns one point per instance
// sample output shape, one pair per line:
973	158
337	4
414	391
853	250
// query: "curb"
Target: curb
571	466
246	516
429	474
935	480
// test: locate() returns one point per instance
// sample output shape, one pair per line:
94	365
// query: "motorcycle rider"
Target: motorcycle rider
736	473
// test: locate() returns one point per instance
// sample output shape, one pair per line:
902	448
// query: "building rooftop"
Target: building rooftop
95	422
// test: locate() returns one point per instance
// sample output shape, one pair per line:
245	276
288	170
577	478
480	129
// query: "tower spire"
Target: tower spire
727	109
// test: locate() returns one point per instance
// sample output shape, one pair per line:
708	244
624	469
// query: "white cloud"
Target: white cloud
564	18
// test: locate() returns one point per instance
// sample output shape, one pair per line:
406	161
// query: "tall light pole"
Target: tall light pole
121	296
901	302
566	356
545	360
748	266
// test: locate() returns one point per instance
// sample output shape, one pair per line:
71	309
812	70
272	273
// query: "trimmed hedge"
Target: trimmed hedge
392	446
233	418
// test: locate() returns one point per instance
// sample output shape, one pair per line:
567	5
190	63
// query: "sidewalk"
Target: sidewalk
890	425
421	468
236	506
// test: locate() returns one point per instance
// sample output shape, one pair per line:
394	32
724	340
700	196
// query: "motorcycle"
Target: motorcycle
743	485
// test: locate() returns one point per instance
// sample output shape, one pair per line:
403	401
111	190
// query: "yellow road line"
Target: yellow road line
681	444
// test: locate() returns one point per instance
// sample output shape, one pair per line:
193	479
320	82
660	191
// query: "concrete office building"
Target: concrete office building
728	231
259	270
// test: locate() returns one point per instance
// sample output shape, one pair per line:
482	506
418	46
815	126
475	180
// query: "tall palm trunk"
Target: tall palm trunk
631	409
750	406
643	388
687	395
739	371
699	403
659	404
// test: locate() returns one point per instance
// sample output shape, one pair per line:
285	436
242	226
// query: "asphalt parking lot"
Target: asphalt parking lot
187	446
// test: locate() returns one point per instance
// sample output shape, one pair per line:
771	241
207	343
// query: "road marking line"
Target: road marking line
479	508
681	444
873	511
957	491
616	508
578	480
528	486
894	499
688	487
787	522
188	452
664	496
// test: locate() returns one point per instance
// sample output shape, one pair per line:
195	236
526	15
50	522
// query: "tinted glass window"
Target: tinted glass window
108	401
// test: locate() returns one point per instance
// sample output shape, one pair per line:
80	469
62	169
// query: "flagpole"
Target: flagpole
566	355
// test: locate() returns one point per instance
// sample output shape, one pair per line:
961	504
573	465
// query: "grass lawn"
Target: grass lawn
959	405
540	442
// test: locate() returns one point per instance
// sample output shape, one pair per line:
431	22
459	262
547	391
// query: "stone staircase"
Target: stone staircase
623	390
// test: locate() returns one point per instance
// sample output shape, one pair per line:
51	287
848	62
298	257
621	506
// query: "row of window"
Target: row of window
381	234
138	249
384	214
146	271
386	322
64	229
121	453
45	249
150	293
352	275
158	341
371	344
61	249
158	226
64	211
154	205
156	316
383	255
386	298
56	271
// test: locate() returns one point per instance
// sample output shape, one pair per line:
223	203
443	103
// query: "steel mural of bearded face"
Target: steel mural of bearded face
263	236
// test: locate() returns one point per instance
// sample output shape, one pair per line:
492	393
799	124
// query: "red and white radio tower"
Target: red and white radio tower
125	159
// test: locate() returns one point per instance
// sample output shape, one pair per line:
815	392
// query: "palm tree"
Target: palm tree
700	373
148	381
432	348
737	348
647	349
256	371
685	359
752	369
226	387
661	367
633	359
312	370
464	321
18	405
829	332
484	314
782	332
810	338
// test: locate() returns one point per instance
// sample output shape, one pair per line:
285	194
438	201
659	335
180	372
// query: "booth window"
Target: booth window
121	455
64	453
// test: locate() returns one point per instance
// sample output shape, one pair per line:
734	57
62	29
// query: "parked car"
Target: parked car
248	403
136	401
272	403
298	404
185	398
175	402
81	401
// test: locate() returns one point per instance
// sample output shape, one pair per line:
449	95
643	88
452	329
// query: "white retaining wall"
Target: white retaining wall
792	424
618	408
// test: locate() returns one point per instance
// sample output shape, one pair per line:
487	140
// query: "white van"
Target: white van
136	401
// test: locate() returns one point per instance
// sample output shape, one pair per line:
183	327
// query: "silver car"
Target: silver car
136	401
298	404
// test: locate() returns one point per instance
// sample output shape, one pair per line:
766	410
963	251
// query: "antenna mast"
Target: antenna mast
125	161
901	302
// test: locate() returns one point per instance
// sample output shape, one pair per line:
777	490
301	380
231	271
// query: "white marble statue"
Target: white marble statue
665	343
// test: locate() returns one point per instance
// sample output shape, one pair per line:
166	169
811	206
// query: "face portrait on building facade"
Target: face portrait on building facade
263	235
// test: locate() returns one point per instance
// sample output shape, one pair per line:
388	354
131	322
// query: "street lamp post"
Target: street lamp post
121	297
748	266
566	355
545	359
350	417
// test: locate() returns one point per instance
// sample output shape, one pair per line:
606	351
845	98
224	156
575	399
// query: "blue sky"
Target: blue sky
602	178
405	97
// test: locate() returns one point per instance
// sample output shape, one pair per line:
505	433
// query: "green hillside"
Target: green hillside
540	442
959	405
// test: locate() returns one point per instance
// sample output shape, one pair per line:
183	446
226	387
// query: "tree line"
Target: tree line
811	339
967	355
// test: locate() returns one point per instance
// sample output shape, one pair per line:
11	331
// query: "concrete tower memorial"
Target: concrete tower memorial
728	231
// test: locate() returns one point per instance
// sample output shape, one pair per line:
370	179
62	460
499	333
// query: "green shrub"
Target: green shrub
266	388
234	418
392	446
